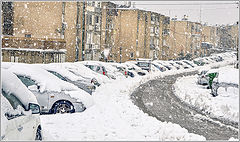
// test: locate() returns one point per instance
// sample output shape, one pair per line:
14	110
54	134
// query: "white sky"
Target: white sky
212	12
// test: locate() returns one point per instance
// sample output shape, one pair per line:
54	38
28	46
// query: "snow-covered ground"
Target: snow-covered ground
113	117
223	106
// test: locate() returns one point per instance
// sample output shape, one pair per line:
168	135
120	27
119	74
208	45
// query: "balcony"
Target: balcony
33	43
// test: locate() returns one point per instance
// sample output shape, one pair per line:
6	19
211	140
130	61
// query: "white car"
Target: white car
53	94
87	85
19	111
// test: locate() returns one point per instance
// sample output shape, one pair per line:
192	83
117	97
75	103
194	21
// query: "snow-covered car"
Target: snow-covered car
115	70
144	64
167	64
53	94
68	76
190	63
79	69
19	110
97	67
202	78
206	77
159	67
199	62
226	83
184	65
137	71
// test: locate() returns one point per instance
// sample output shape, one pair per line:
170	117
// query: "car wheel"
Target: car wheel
38	134
63	107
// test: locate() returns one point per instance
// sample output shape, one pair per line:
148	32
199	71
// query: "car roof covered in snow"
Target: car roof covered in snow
11	84
61	70
43	78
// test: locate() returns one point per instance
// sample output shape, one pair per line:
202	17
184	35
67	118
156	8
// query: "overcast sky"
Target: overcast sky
212	12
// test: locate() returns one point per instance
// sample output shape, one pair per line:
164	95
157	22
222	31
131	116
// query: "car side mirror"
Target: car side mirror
33	88
35	108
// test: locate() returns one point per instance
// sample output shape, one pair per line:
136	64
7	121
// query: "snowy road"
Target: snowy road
156	98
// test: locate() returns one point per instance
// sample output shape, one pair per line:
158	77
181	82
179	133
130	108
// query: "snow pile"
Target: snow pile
223	106
5	107
229	75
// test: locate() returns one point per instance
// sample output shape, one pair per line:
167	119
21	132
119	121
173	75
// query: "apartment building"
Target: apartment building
77	24
138	34
185	39
209	39
165	39
27	40
108	30
92	23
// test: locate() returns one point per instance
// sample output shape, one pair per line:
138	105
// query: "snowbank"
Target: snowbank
222	106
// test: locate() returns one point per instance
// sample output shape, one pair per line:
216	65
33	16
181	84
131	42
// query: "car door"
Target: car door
20	125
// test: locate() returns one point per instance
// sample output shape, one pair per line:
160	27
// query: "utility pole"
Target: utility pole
77	33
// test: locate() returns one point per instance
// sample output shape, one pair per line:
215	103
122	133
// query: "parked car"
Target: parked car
226	83
190	63
144	64
199	62
53	94
184	65
20	111
115	69
164	64
65	75
202	78
133	68
206	77
79	69
159	66
97	67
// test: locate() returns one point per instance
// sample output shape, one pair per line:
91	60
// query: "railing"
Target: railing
33	43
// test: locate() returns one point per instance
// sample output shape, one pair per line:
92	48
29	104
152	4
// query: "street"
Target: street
156	98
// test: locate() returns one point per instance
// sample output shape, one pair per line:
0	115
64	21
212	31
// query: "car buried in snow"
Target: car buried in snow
53	94
226	83
68	76
144	64
20	111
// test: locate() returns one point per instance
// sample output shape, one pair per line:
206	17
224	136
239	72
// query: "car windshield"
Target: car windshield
143	64
26	81
58	75
13	100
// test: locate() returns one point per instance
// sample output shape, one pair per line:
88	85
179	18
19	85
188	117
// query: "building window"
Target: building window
7	13
99	5
146	20
90	19
97	19
28	35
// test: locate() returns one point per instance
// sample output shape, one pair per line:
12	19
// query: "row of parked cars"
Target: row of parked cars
30	90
